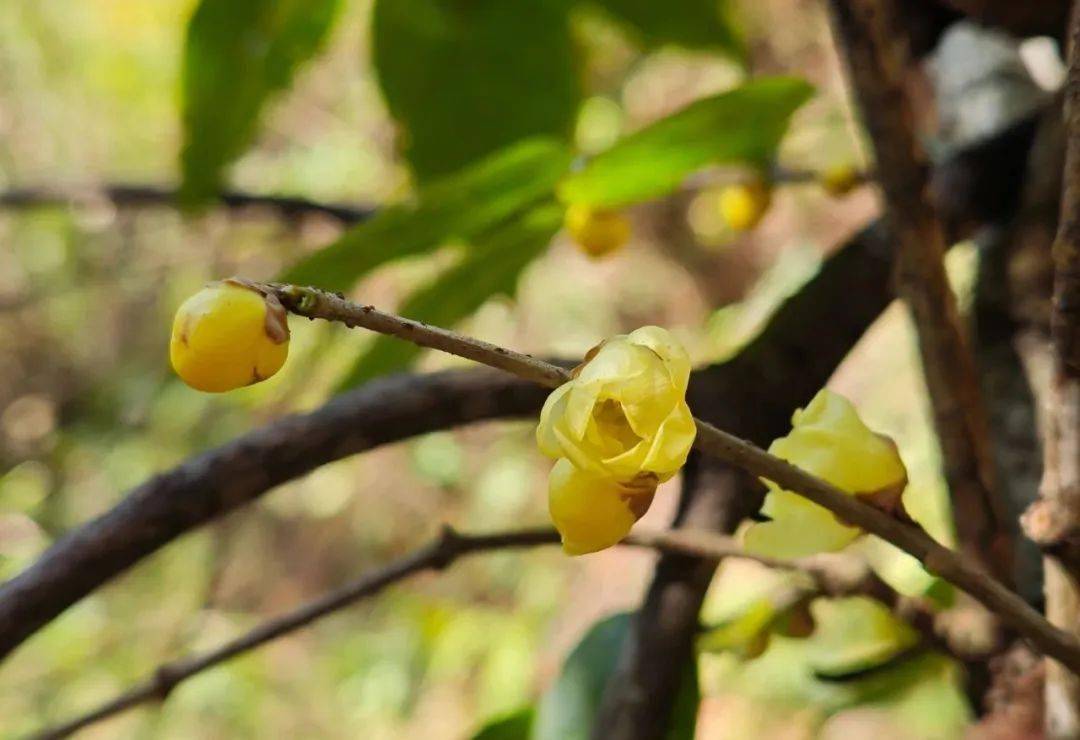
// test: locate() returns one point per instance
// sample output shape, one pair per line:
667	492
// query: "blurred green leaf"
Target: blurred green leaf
567	710
458	206
464	79
438	458
700	24
237	54
743	125
855	634
516	726
745	635
491	266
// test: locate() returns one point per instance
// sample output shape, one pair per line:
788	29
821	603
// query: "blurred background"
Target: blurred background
90	95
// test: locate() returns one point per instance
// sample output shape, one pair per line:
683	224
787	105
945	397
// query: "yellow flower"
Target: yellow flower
743	205
839	179
624	415
829	440
593	512
227	336
598	232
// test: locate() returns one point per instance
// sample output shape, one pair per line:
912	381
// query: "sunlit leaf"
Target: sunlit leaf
743	125
459	206
464	79
567	710
491	266
704	24
237	54
516	726
854	634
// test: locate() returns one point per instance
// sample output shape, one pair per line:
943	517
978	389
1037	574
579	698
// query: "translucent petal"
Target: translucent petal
674	356
550	414
590	511
672	442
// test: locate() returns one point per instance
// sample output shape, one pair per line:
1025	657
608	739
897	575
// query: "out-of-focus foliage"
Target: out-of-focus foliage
460	206
238	53
491	266
464	79
745	124
567	709
704	24
516	726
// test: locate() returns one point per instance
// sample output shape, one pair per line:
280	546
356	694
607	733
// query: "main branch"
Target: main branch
957	568
878	55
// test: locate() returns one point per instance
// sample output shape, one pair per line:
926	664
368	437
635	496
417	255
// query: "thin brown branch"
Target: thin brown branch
444	551
129	196
959	569
740	392
1055	520
210	485
878	53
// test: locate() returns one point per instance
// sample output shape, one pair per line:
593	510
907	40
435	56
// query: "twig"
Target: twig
953	567
745	393
155	195
445	550
209	485
877	56
1054	521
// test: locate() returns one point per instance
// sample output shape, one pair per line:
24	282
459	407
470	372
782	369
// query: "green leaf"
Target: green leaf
567	710
491	265
697	24
237	54
743	125
515	726
855	634
458	206
464	78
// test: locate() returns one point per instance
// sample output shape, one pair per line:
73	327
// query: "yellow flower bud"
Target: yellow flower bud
624	415
597	231
829	440
227	336
743	205
839	179
593	512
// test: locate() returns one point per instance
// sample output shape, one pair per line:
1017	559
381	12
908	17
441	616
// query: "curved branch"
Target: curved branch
445	550
155	195
220	480
958	569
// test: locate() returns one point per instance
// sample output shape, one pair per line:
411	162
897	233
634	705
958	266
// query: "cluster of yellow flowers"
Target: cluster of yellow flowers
227	336
829	440
619	428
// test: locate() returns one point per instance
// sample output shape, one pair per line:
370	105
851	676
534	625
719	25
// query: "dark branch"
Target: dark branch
154	195
444	551
878	54
212	484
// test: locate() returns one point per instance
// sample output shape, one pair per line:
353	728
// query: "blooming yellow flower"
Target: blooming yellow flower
228	335
743	205
829	440
593	512
597	231
624	415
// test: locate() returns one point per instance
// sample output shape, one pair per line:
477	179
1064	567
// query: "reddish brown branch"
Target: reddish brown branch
1055	520
212	484
878	62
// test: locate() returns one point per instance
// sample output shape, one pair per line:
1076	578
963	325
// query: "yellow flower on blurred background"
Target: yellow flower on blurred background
829	440
840	179
624	414
598	232
593	512
618	428
228	336
743	204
